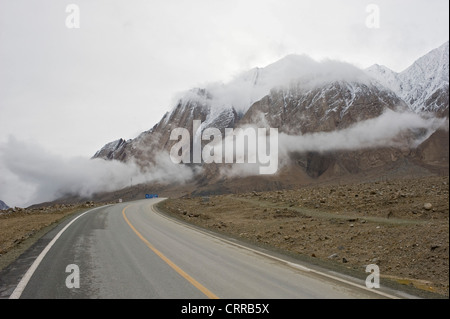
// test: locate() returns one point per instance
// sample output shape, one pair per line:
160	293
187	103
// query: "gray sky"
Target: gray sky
73	90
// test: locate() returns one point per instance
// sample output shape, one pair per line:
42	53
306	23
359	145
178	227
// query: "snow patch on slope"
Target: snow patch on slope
419	83
251	86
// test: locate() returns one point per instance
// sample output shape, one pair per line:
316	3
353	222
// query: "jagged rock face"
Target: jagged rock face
144	148
186	112
111	150
334	106
427	79
434	150
310	103
424	86
437	102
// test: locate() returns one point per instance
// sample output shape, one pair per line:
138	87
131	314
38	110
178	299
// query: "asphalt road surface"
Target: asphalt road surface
130	250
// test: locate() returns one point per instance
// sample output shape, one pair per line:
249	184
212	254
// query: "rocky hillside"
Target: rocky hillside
424	86
195	105
329	107
300	97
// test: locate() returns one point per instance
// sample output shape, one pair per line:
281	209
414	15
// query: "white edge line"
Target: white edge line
288	263
26	278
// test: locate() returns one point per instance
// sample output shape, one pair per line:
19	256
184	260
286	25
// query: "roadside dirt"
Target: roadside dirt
20	227
400	225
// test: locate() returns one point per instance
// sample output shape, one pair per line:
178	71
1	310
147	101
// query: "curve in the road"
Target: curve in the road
26	278
180	271
131	250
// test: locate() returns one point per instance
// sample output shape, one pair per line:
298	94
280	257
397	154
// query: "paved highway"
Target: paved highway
130	250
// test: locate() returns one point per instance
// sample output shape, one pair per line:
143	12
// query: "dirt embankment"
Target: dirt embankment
402	225
21	227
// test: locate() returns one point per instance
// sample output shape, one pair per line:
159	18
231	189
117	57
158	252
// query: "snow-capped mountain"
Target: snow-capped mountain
222	105
111	150
385	76
300	96
196	104
424	86
3	206
328	107
253	85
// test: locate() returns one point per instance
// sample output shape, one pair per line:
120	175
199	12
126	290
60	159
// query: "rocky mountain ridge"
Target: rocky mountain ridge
424	86
300	96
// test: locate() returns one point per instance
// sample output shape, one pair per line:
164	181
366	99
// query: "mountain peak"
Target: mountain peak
295	94
424	84
251	86
3	206
108	151
431	63
378	67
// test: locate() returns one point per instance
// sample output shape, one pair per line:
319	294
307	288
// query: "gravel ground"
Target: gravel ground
400	225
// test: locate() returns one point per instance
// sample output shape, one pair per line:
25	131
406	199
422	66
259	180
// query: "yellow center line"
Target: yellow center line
194	282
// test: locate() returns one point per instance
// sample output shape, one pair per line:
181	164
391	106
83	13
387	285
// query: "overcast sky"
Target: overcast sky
74	89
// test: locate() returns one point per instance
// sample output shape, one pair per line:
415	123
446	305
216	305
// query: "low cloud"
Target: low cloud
251	86
31	174
390	129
